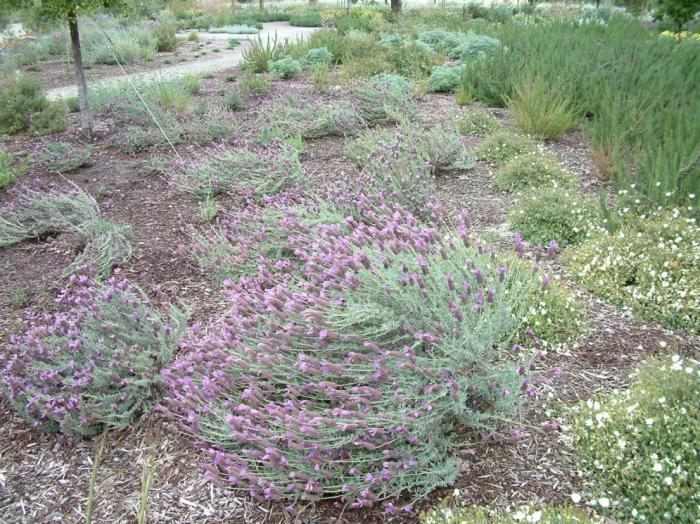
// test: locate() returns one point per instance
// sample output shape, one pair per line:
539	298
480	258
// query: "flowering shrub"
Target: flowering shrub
444	79
386	98
339	118
94	363
651	266
286	67
436	147
534	170
478	123
555	214
62	157
347	380
638	448
473	46
503	146
245	172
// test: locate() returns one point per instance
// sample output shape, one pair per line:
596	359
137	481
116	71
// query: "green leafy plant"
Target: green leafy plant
63	157
257	85
479	123
9	169
320	77
232	101
502	146
318	55
444	79
313	121
636	447
312	19
259	54
21	97
541	111
286	67
50	120
386	98
233	43
165	35
549	214
534	170
473	46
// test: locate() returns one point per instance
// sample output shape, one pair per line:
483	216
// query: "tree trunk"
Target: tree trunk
85	114
260	4
233	7
396	6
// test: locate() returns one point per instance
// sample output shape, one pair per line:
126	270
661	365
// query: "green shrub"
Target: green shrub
63	157
286	67
650	266
318	55
208	210
475	46
540	110
441	41
62	375
333	41
320	77
502	146
257	85
259	54
9	169
444	79
230	78
232	101
554	214
193	36
480	123
340	119
21	97
638	448
306	20
165	35
190	84
412	59
73	104
233	43
50	120
545	514
534	170
386	98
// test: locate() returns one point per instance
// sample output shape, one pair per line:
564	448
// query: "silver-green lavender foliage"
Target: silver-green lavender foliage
313	121
63	157
387	98
286	67
95	363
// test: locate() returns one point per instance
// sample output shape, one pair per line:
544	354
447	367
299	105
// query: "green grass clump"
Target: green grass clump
9	169
533	170
320	77
286	67
444	79
502	146
232	101
543	215
650	266
479	123
545	514
258	55
540	110
233	43
257	85
21	97
306	20
63	157
638	448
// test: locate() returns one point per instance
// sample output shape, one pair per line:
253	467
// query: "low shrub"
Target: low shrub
540	110
474	46
252	172
464	95
9	169
413	343
412	59
21	97
50	120
444	79
637	447
441	41
165	35
193	36
479	123
105	246
259	54
62	376
286	67
333	41
555	214
650	266
191	84
320	77
502	146
257	85
534	170
318	55
310	121
306	20
63	157
386	99
232	101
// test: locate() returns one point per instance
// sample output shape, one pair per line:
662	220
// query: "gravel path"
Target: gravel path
281	30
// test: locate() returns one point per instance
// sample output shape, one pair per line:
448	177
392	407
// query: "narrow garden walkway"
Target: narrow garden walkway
280	30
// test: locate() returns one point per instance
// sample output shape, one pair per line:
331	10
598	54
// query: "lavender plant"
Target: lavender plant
94	363
246	172
346	381
313	121
63	157
386	99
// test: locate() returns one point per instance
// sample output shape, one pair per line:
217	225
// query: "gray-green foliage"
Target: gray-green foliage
21	97
444	79
502	146
533	170
386	98
318	55
286	67
313	121
480	123
9	169
474	46
63	157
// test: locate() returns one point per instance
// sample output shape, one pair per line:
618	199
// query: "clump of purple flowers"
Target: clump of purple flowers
344	375
95	362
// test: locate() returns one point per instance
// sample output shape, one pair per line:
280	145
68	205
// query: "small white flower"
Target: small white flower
649	421
456	492
658	467
668	481
535	517
604	502
576	498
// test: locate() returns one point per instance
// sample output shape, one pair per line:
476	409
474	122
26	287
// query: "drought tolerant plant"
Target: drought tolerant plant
257	85
479	123
637	448
286	67
444	79
441	41
9	169
474	46
320	77
21	97
232	101
63	157
549	214
312	19
105	246
165	35
313	121
259	54
502	146
50	120
650	266
93	364
348	382
534	170
245	172
318	55
412	59
386	99
233	43
543	514
540	110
